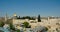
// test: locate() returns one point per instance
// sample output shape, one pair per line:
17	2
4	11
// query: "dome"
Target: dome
15	14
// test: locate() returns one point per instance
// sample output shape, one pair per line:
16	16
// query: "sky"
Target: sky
30	7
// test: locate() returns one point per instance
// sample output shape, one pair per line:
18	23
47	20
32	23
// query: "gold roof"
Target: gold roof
15	14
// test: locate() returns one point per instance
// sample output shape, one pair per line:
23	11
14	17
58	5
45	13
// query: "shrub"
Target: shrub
18	30
1	24
26	24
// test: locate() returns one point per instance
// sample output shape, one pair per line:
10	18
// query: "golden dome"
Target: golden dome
15	14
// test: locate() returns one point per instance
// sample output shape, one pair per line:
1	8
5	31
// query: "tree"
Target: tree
18	30
12	27
1	24
39	19
26	24
46	29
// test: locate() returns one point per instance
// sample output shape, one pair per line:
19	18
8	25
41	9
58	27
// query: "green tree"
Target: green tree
11	26
26	24
18	30
46	29
39	19
1	24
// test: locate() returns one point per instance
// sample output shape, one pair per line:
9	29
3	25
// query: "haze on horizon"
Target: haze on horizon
30	7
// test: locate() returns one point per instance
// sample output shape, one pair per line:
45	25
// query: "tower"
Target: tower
6	17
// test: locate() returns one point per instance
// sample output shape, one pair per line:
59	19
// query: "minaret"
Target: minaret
6	17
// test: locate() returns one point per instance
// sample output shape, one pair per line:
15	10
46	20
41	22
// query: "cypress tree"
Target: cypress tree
39	19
